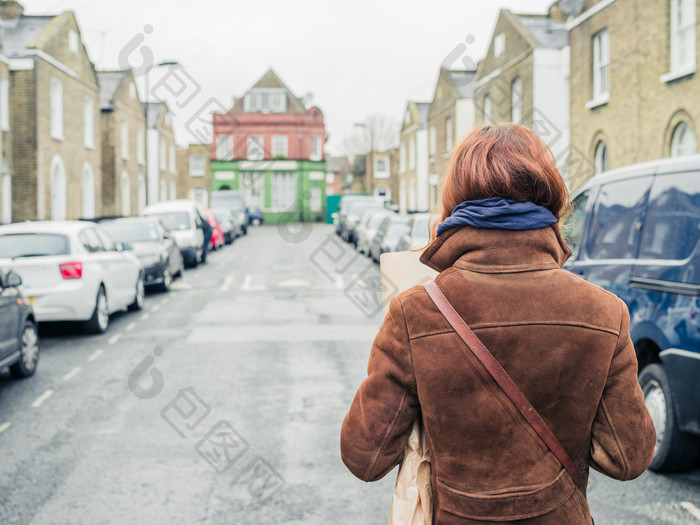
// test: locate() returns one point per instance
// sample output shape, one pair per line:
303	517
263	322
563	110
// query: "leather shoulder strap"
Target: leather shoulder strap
506	383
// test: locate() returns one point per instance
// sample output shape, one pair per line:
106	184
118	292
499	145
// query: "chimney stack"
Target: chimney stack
10	10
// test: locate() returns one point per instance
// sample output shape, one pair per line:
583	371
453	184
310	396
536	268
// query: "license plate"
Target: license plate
31	301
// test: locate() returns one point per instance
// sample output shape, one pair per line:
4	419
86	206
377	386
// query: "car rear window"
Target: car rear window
14	245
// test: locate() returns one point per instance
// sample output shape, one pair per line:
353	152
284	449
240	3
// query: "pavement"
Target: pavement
221	403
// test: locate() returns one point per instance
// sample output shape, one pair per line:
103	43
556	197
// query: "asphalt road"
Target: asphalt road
221	403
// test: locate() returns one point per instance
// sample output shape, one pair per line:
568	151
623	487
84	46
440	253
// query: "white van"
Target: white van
184	219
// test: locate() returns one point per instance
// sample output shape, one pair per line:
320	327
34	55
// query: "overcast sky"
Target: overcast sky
357	57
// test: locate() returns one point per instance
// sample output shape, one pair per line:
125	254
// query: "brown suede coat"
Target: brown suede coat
565	343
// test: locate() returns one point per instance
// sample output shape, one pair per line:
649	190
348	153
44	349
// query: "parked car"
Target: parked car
19	338
153	244
234	201
345	202
255	216
227	223
635	231
387	237
416	235
72	271
369	223
183	219
355	212
216	240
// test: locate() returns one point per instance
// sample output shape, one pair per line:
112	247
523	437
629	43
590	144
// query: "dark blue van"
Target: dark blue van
635	231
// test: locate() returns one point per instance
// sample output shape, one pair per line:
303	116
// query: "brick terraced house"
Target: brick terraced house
270	146
414	190
55	117
635	91
123	145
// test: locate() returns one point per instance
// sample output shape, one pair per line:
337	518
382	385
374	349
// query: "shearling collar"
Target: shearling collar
497	251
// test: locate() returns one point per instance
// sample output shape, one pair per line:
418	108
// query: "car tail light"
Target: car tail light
71	270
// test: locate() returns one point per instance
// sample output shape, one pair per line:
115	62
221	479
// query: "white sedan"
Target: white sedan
72	271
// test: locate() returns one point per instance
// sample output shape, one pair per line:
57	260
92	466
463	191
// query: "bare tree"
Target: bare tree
376	133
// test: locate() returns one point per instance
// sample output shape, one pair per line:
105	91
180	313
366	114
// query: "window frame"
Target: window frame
56	108
195	171
224	147
604	157
5	104
280	146
516	100
316	149
88	122
683	32
601	64
680	132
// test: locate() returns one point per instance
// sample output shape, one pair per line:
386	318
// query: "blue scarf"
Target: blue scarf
498	213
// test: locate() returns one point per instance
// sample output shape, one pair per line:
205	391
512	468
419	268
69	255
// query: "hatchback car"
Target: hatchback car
343	206
217	238
367	228
227	223
388	234
355	212
416	235
184	219
635	231
72	271
153	244
19	338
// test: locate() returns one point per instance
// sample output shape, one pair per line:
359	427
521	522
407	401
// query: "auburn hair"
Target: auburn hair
504	160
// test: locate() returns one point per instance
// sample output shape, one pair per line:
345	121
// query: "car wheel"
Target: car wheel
167	281
99	321
674	450
140	296
256	222
29	352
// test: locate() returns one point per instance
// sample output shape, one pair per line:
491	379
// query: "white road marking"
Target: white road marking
248	286
164	300
130	327
97	353
339	282
43	397
246	281
5	426
226	284
114	339
144	316
180	285
155	308
692	509
72	373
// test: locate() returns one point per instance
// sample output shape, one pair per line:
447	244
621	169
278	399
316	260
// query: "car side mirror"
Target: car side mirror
12	280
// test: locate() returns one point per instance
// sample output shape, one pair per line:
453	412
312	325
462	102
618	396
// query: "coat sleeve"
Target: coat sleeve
376	429
622	436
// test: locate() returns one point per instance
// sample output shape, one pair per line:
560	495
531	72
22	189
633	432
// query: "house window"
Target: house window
140	147
253	188
315	148
173	167
255	146
56	103
224	147
601	65
197	166
278	103
601	161
279	146
88	122
163	156
516	111
683	141
88	192
682	35
125	140
73	42
402	158
449	134
412	153
433	140
499	45
488	111
6	193
380	167
5	104
284	191
254	102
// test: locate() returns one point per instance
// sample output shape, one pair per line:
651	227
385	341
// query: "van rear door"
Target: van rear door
608	249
